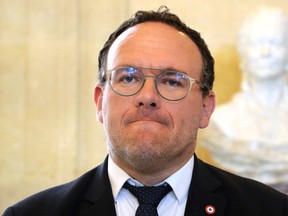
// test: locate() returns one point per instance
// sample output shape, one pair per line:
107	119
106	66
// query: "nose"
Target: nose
148	96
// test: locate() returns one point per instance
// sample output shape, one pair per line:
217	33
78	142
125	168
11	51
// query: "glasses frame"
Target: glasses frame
192	81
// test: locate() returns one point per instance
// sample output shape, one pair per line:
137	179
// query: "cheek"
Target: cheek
114	108
108	107
192	121
188	118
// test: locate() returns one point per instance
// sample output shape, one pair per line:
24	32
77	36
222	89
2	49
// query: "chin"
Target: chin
147	163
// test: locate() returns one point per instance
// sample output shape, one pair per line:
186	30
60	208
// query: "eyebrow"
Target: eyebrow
173	69
160	69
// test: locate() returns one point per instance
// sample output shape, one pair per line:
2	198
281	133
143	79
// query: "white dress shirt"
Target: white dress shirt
172	204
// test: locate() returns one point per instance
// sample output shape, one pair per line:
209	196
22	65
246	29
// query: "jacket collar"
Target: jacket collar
203	198
98	197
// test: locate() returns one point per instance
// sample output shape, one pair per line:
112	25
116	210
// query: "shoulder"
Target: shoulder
249	194
236	183
54	200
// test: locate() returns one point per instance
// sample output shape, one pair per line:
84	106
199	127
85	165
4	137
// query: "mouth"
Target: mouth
146	123
145	118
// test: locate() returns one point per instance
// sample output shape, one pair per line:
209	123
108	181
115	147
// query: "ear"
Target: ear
208	109
98	99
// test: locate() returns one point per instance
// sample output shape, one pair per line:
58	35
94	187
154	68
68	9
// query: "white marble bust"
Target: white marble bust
249	134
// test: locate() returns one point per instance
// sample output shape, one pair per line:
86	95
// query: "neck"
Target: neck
153	175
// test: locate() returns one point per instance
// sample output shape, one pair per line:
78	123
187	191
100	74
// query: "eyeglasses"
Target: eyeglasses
171	85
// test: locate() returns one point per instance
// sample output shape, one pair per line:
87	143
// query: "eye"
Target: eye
171	82
173	79
128	79
127	75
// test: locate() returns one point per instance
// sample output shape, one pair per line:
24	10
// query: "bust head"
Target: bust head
263	44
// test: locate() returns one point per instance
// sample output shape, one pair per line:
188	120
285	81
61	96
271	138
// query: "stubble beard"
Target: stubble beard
149	153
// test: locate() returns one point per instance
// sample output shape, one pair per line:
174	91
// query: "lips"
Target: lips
145	116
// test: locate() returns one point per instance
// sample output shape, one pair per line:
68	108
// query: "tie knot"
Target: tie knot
149	195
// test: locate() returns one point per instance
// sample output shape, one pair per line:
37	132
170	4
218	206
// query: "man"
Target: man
155	92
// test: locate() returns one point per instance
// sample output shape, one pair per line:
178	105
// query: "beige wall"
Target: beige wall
48	66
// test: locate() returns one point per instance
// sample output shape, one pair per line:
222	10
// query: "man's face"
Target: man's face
146	132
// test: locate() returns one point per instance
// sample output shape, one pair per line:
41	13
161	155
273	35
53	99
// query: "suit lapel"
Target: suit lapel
98	199
202	199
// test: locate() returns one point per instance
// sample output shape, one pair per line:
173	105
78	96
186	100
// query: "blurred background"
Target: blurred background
48	68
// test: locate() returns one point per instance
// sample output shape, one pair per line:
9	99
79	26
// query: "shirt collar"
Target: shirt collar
179	181
117	177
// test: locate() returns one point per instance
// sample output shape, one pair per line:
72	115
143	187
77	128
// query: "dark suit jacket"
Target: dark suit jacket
91	194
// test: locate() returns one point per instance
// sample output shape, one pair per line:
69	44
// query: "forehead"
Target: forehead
155	45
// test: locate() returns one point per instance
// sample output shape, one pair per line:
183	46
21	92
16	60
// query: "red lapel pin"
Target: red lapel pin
210	209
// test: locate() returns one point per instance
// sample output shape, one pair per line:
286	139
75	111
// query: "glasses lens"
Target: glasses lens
126	80
173	85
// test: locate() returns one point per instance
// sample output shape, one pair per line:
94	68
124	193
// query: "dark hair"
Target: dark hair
162	15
